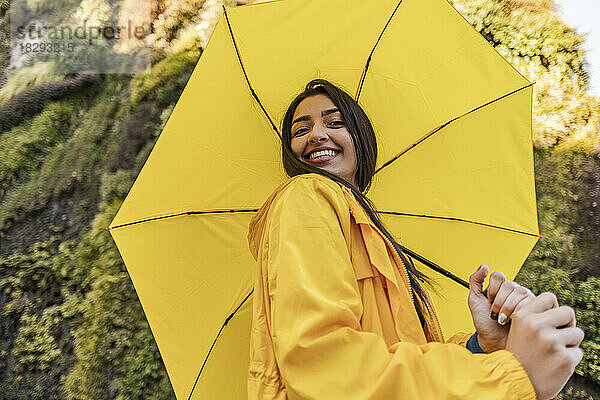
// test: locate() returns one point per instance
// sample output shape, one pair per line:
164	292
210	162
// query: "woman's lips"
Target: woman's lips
322	159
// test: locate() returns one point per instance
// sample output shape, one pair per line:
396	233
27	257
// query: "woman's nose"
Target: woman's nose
317	135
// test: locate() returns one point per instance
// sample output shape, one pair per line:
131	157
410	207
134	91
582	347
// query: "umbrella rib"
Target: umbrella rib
231	211
364	73
215	341
435	267
246	76
460	220
427	136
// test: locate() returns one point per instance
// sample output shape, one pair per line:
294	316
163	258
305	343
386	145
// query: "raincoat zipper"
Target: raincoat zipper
437	321
403	267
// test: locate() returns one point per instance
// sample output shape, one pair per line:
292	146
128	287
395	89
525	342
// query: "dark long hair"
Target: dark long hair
365	146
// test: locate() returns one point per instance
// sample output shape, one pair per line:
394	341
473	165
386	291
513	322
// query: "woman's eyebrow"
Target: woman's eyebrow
330	111
308	118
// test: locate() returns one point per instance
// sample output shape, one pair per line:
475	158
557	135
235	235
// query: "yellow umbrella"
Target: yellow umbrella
455	178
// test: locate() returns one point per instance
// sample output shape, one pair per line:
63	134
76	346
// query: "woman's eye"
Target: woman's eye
299	131
302	130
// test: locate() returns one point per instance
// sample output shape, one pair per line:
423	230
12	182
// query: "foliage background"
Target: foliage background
71	326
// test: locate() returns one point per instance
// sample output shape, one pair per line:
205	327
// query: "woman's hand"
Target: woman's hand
545	340
491	314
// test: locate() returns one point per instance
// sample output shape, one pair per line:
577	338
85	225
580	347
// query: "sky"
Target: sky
584	16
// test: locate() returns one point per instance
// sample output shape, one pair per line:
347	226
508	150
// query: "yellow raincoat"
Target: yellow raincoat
333	316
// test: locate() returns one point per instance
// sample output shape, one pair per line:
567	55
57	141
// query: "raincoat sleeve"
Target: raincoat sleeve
315	311
460	338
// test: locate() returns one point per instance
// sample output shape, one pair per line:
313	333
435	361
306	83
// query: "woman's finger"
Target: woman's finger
570	337
563	316
543	302
497	278
517	298
476	281
576	354
504	291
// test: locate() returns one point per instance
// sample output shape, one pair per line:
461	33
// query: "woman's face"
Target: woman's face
318	129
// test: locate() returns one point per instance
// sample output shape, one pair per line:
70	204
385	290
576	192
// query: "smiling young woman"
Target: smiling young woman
324	115
339	312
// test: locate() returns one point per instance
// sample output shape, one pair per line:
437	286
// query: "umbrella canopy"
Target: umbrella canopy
455	172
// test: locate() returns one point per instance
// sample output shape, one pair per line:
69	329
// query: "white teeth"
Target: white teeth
321	153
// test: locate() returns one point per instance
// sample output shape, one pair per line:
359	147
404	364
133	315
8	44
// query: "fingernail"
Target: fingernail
502	319
494	315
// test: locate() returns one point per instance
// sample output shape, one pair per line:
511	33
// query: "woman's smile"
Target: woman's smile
321	155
